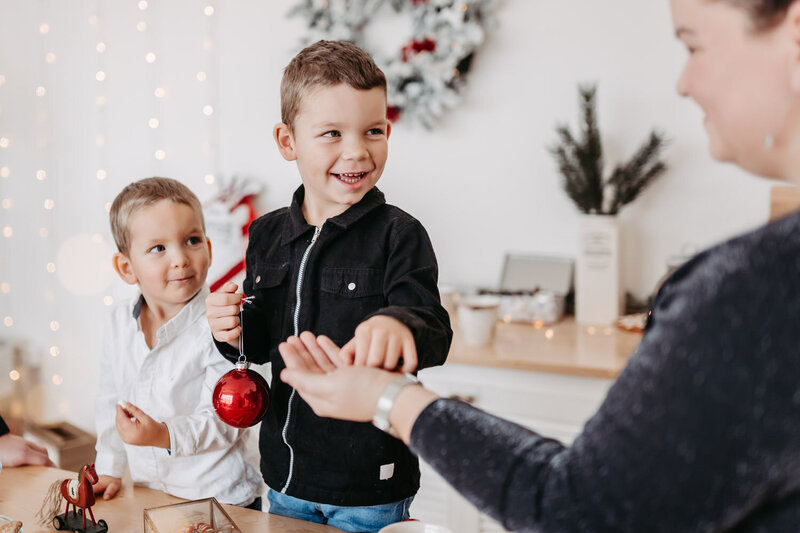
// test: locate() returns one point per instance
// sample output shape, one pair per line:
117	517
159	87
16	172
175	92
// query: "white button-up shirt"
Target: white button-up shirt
172	383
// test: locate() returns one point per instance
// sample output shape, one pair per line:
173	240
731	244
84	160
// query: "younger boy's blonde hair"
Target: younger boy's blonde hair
144	193
324	64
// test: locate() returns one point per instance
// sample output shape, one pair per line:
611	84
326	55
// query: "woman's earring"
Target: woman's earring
769	141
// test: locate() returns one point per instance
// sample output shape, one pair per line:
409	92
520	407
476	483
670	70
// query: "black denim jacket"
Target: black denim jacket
373	259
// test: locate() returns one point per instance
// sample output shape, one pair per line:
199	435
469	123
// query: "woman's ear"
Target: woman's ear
124	268
285	141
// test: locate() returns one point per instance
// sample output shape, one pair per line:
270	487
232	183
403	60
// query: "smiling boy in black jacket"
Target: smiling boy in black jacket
338	262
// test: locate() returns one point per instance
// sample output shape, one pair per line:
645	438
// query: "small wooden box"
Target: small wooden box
68	446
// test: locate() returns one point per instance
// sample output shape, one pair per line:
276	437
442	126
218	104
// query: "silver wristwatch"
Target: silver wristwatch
381	417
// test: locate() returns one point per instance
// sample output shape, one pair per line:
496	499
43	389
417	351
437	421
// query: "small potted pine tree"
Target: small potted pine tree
599	196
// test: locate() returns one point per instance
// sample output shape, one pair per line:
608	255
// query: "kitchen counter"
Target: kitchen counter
23	489
563	348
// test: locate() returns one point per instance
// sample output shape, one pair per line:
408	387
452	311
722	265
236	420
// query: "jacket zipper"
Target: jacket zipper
300	273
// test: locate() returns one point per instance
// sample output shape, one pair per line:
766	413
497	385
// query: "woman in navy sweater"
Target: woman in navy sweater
701	432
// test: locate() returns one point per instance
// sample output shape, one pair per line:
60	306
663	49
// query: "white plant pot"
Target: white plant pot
599	297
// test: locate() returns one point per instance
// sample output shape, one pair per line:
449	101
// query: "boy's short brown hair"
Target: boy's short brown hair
144	193
326	63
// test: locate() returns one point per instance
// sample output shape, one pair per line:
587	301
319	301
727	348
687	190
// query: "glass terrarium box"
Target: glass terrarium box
199	516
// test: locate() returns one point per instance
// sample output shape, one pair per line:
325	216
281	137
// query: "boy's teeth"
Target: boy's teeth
351	177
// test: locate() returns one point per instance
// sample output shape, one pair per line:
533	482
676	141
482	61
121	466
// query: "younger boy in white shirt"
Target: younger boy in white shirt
159	365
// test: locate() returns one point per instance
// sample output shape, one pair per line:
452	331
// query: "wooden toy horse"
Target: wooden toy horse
77	492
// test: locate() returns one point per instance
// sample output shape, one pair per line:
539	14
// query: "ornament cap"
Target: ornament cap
242	365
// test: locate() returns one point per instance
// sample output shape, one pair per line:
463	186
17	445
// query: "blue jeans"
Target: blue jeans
369	518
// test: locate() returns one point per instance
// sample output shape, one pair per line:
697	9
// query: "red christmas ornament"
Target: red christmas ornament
241	397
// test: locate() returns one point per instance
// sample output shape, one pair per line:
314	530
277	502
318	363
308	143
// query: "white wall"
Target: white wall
483	182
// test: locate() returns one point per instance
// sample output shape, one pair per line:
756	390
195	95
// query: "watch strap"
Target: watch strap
386	401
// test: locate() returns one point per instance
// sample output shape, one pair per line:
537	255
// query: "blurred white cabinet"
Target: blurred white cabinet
555	405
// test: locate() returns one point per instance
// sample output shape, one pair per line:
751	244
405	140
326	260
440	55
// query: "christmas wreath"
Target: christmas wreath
426	75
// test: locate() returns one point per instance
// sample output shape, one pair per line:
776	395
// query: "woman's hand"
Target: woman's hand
16	451
345	392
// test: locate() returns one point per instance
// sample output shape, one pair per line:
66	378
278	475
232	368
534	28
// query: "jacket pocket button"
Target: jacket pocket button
351	286
258	278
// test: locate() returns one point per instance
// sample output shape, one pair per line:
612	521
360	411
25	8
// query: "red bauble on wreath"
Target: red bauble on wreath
241	397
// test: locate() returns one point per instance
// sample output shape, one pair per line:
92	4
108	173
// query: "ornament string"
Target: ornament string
245	300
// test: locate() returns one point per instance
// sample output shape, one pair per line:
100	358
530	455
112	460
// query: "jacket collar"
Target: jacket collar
296	225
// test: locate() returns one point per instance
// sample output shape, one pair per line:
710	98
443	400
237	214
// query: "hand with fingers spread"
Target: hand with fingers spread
16	451
314	354
222	312
335	391
108	485
137	428
346	392
381	342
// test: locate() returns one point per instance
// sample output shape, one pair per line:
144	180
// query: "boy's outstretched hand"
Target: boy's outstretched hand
108	485
222	313
381	342
137	428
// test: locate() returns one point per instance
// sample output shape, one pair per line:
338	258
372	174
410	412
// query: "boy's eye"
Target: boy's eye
375	131
332	133
193	240
157	248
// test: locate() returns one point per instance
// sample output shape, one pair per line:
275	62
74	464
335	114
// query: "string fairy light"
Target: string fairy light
147	27
210	109
101	125
48	176
8	204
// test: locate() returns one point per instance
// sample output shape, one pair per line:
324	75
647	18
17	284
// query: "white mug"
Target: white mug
477	319
414	527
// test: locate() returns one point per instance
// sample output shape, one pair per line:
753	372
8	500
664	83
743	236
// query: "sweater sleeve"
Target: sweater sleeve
3	427
412	292
694	435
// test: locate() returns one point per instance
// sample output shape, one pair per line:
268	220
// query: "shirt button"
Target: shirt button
351	286
258	278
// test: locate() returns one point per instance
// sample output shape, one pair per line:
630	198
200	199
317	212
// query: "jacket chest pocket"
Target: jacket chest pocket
271	289
348	296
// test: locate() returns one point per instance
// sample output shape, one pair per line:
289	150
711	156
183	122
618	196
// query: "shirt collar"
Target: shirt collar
296	225
189	314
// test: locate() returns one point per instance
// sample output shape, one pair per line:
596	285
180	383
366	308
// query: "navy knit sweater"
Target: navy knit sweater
700	433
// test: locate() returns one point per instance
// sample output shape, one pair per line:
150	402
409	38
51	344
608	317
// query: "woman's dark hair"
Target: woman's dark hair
764	13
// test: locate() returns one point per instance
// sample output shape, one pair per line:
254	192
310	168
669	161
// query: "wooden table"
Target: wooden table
563	348
23	489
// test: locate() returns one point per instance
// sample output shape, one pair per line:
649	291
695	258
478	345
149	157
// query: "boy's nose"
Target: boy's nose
180	258
355	150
